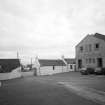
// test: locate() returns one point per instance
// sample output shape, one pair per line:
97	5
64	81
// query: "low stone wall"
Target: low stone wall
16	73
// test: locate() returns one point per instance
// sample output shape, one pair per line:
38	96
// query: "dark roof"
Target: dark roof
7	65
49	62
70	61
100	36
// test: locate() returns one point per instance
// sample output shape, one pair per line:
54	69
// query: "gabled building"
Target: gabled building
53	66
50	66
90	52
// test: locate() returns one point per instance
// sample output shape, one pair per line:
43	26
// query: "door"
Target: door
79	63
99	62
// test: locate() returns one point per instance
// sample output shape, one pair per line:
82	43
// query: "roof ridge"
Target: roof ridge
99	36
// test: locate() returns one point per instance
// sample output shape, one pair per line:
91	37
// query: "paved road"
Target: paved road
91	81
38	91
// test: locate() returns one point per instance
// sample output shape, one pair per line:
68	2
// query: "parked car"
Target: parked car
99	71
83	71
103	71
86	71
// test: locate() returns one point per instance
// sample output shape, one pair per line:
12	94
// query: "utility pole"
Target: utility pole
17	55
18	58
31	63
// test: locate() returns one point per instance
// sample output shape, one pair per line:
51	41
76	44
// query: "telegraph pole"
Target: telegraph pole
18	58
31	63
17	55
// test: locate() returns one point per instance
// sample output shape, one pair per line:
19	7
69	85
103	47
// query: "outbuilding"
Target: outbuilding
50	66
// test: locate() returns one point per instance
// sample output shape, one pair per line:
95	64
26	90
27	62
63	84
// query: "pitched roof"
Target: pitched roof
7	65
100	36
96	35
70	61
49	62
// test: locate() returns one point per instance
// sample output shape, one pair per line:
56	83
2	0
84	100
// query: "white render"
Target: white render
48	70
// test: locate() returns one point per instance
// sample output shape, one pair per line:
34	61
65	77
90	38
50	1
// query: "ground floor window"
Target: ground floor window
90	60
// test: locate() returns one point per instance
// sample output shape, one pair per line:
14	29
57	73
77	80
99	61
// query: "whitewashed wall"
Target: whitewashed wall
60	69
28	73
16	73
48	70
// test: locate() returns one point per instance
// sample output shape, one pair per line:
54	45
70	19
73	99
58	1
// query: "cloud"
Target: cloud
48	28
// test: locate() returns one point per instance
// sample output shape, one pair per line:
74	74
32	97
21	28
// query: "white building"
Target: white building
53	66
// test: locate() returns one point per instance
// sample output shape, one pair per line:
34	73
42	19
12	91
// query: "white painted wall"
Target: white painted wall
48	70
60	69
26	74
16	73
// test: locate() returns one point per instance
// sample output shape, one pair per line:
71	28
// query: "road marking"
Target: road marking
88	93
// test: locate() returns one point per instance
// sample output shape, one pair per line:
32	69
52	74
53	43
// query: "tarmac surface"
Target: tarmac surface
59	89
91	87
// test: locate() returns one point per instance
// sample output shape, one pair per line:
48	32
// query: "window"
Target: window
93	60
90	47
89	60
81	49
96	46
86	60
86	48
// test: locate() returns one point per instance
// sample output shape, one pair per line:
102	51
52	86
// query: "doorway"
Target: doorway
79	63
99	62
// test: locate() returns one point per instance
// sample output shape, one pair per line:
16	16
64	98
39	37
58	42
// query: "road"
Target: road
38	91
91	81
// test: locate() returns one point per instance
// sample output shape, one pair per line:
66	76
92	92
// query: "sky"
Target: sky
47	28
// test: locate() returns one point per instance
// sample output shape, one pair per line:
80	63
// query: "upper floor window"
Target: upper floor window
93	60
86	60
90	47
81	49
96	46
90	60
